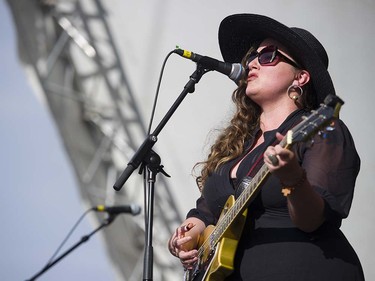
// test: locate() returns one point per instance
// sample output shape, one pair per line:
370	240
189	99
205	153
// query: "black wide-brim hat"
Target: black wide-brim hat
237	33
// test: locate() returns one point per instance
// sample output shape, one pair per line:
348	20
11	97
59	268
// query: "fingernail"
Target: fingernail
188	226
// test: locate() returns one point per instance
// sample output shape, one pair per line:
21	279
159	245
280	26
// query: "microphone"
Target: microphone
234	71
115	210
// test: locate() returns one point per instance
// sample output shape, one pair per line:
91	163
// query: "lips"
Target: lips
251	77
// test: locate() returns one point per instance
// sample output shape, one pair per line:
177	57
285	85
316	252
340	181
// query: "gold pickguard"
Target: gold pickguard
222	263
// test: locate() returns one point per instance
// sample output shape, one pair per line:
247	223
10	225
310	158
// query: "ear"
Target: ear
302	77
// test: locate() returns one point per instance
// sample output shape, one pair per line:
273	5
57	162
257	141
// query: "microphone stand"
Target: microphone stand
151	160
84	239
153	168
149	142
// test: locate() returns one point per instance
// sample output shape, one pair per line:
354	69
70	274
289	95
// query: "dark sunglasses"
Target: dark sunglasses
269	56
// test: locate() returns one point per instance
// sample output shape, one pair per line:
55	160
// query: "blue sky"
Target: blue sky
39	197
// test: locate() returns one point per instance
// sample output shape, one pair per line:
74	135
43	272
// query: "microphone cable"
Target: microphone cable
149	132
67	237
157	91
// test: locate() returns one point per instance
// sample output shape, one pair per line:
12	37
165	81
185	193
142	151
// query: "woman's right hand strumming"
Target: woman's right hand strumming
184	241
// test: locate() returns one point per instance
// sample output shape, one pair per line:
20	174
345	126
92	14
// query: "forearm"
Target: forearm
306	207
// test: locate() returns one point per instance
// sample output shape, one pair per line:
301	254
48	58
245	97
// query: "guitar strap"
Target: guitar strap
292	120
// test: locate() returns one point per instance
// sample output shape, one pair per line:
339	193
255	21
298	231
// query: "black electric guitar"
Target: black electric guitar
218	244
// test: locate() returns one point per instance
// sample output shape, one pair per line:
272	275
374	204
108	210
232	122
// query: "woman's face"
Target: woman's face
267	83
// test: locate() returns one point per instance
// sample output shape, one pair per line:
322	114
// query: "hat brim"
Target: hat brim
238	32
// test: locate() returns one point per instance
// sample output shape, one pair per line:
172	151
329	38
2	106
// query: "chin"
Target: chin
250	94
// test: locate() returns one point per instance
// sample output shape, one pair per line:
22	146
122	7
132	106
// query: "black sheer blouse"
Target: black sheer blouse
331	163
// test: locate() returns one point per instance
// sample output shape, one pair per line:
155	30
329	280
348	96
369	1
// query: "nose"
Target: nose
253	64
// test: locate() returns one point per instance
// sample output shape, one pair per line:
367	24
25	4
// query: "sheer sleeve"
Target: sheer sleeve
202	212
332	165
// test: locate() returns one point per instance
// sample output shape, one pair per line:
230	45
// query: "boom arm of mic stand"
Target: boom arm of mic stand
149	142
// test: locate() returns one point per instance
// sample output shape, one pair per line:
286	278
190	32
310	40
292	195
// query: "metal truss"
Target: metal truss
73	56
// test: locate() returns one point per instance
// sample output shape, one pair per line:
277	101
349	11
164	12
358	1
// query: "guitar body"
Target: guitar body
218	263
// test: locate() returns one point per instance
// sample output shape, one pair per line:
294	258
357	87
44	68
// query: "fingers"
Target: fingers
277	157
273	158
279	136
184	242
180	231
273	153
178	239
172	245
178	242
187	227
188	259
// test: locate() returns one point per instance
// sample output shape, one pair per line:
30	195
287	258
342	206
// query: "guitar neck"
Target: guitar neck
250	189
